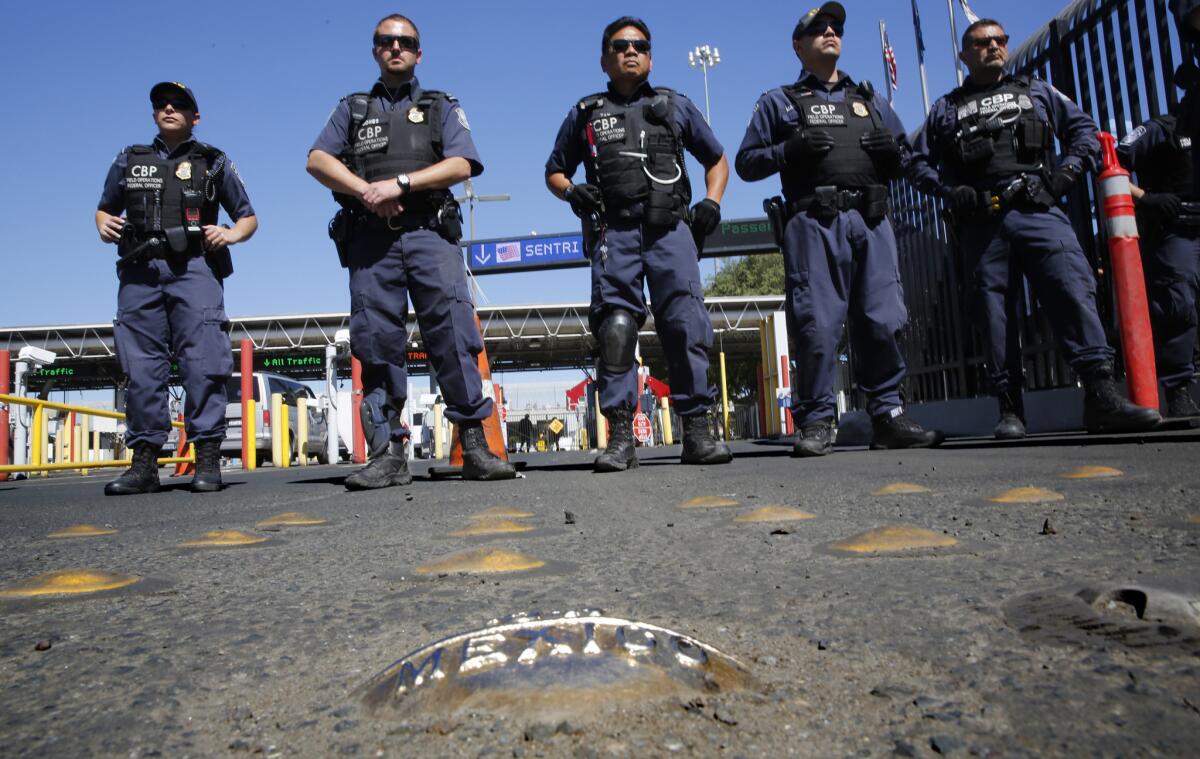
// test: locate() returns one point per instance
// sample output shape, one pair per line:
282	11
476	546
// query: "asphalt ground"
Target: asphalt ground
1023	638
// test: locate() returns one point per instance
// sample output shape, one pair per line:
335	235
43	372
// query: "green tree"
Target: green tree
751	275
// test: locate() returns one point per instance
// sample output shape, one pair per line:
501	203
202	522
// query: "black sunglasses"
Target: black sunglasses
818	28
621	45
983	43
406	42
178	104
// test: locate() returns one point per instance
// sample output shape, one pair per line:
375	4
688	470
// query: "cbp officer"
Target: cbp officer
159	207
1187	75
987	149
389	156
638	227
835	143
1169	222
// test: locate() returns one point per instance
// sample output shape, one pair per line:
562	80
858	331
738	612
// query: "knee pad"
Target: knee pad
618	336
377	430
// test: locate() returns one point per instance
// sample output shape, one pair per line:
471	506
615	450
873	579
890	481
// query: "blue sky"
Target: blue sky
267	75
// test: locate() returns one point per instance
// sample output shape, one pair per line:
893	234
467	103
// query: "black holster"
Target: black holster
341	231
777	217
449	220
661	209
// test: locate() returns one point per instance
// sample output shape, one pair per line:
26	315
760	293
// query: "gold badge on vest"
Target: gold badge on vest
184	170
416	115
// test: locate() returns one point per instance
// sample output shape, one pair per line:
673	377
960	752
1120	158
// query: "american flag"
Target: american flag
889	59
507	252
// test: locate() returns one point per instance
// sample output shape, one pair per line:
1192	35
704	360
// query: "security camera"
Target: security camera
36	356
341	339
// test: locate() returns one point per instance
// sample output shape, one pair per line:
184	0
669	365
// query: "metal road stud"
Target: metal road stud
82	531
1027	495
774	514
900	488
223	539
890	539
708	502
482	561
1194	519
66	582
503	512
490	527
1092	472
292	519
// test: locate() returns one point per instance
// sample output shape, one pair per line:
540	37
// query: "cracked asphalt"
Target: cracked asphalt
981	648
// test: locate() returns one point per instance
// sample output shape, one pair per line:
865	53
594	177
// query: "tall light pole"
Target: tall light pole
704	58
472	197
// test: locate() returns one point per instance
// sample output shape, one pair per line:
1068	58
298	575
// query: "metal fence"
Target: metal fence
1115	59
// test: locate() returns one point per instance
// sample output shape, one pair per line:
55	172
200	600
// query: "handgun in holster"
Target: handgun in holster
776	211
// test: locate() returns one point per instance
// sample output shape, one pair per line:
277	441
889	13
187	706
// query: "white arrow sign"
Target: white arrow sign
482	258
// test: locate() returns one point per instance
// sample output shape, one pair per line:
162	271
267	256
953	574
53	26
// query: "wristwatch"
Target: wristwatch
404	182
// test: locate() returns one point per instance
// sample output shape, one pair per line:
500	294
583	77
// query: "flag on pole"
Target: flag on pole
972	17
917	28
889	59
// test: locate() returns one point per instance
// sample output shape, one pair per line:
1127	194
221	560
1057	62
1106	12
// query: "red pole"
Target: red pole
5	389
249	426
360	442
1133	310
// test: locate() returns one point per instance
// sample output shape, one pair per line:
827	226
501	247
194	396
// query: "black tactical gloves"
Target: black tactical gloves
1062	180
809	145
884	150
584	199
962	199
1162	206
706	215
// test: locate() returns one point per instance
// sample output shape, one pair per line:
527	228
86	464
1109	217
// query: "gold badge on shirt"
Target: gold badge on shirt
416	115
860	109
184	170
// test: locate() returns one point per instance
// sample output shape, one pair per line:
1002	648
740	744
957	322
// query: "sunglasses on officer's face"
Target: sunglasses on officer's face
405	41
983	43
176	103
818	28
621	45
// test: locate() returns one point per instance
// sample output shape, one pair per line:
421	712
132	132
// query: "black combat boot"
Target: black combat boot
1012	415
208	467
1104	410
815	439
141	476
385	469
698	444
479	463
1180	404
896	430
620	453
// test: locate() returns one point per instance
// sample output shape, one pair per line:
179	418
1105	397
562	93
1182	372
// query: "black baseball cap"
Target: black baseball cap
835	10
163	89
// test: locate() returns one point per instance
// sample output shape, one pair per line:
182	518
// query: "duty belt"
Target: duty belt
1189	215
405	222
826	202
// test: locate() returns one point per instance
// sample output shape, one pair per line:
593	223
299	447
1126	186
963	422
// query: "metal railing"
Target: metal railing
81	446
1115	59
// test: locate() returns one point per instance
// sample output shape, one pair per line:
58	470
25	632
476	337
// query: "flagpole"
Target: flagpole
920	55
954	41
887	70
924	87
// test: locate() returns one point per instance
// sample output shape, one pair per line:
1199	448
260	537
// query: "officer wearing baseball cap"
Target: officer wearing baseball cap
159	207
835	143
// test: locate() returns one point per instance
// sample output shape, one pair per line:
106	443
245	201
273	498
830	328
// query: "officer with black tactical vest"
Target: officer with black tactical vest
638	227
390	156
1168	216
835	143
987	149
174	257
1187	74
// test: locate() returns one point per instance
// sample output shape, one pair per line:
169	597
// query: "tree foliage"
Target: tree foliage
751	275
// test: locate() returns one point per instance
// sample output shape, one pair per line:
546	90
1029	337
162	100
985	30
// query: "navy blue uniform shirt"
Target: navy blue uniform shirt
1075	131
570	146
456	131
775	121
231	193
1141	142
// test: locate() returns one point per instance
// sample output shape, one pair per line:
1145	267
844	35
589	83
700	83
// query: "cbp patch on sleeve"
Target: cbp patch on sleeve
462	118
1134	136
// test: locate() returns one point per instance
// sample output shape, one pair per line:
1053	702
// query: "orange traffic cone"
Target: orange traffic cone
185	468
491	425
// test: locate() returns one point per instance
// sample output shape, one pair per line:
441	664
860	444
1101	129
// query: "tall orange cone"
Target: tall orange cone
491	425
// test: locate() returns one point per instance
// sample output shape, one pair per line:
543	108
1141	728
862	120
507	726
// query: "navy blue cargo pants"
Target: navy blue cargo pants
1041	245
836	268
386	268
665	259
171	309
1172	279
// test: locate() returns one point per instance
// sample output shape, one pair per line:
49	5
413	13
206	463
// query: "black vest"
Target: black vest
847	165
385	143
635	157
1168	167
999	135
